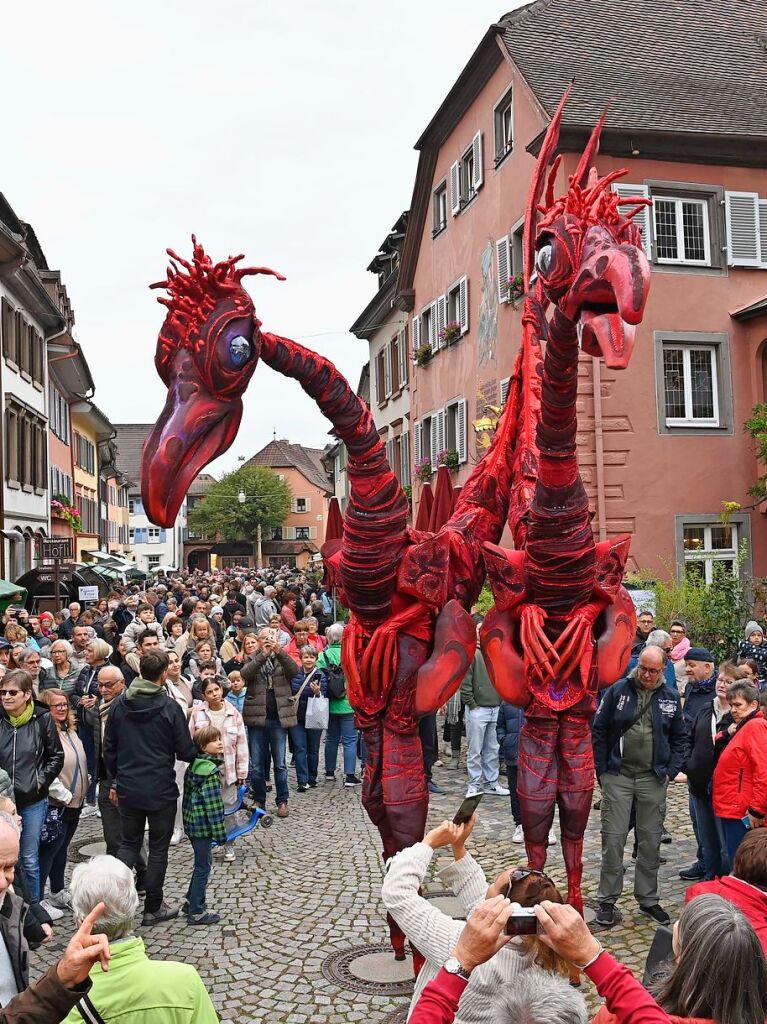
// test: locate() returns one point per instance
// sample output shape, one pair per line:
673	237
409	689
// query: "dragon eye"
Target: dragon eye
543	259
239	350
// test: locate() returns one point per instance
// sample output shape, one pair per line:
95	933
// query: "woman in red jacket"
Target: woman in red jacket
740	776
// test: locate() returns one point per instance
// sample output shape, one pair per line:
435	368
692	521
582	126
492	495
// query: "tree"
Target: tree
267	503
756	426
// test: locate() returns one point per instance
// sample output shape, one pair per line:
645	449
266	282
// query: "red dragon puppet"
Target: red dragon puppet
411	639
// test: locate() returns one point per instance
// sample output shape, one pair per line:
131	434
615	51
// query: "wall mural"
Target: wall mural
487	327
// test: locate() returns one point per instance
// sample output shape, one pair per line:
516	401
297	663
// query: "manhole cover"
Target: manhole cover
448	903
371	970
396	1017
85	850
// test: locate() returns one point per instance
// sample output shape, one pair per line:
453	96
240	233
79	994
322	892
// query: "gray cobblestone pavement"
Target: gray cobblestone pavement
309	888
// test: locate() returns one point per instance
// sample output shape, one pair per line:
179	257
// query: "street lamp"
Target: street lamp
241	497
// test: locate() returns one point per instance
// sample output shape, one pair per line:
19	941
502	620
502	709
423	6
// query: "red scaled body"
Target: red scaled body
562	625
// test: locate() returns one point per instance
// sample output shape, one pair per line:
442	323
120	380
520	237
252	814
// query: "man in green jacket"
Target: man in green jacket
136	990
482	703
341	724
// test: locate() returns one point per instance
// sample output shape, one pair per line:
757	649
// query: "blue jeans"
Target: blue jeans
699	854
263	739
306	751
734	832
714	856
203	859
32	818
341	728
481	746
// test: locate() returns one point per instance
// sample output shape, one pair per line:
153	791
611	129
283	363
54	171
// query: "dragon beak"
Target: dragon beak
193	429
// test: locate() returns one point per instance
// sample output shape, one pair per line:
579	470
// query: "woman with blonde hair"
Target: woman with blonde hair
65	670
65	798
84	700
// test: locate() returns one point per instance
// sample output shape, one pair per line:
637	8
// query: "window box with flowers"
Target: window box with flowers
515	290
61	508
448	457
450	332
422	355
424	471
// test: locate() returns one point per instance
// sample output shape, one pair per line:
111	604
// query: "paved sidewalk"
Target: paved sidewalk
309	888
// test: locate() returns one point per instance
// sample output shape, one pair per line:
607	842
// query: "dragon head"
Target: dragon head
583	252
206	353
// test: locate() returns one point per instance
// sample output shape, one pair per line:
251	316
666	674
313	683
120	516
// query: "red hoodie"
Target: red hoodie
752	902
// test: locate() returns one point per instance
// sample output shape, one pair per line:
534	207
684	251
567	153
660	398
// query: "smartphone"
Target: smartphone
524	922
273	635
467	808
746	821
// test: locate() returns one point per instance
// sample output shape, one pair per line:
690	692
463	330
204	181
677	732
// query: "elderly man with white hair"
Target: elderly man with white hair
135	989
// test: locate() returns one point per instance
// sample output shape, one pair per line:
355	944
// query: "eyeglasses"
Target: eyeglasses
58	707
650	671
672	631
9	693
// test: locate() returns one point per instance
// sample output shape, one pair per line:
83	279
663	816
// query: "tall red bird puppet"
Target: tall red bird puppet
411	639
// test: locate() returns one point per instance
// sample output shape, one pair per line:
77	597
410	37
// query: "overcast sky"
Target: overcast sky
281	130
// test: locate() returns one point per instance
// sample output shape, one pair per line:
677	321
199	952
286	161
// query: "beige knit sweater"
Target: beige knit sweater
435	934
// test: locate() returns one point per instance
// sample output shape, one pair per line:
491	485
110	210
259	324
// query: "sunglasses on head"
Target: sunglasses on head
520	873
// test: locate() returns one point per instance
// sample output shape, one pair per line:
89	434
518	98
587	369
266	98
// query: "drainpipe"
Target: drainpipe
599	448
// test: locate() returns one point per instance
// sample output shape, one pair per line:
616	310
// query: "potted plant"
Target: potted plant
516	290
61	507
423	470
450	332
448	457
422	355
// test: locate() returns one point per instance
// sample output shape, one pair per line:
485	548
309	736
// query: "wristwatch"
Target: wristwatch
453	966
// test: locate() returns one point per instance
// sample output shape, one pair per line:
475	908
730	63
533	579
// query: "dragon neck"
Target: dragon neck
375	518
558	423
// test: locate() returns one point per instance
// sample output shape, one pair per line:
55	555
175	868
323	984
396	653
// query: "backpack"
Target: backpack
336	682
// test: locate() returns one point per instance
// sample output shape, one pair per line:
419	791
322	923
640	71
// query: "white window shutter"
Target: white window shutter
390	452
433	441
463	301
455	188
405	457
312	533
440	420
308	504
416	333
742	216
461	426
763	231
402	349
387	372
417	456
441	318
476	146
503	256
289	532
293	505
433	337
505	390
642	219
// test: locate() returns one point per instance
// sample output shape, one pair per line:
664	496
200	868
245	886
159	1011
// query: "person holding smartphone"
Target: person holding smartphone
436	935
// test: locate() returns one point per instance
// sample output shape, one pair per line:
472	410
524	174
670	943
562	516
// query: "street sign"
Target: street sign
88	593
56	547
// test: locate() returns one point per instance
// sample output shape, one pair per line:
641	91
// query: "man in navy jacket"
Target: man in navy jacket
639	740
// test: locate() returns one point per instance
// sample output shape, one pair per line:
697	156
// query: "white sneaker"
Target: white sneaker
62	900
473	791
552	838
53	912
497	789
519	835
229	852
89	811
439	764
175	839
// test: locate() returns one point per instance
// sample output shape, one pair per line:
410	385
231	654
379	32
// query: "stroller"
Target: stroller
241	819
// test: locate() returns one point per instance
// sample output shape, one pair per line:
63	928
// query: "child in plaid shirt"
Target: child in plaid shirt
203	815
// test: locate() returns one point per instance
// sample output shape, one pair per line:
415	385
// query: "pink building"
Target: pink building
661	444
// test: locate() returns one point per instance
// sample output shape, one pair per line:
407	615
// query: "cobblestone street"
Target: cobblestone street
308	890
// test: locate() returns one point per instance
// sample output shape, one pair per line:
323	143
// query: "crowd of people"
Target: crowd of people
160	710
